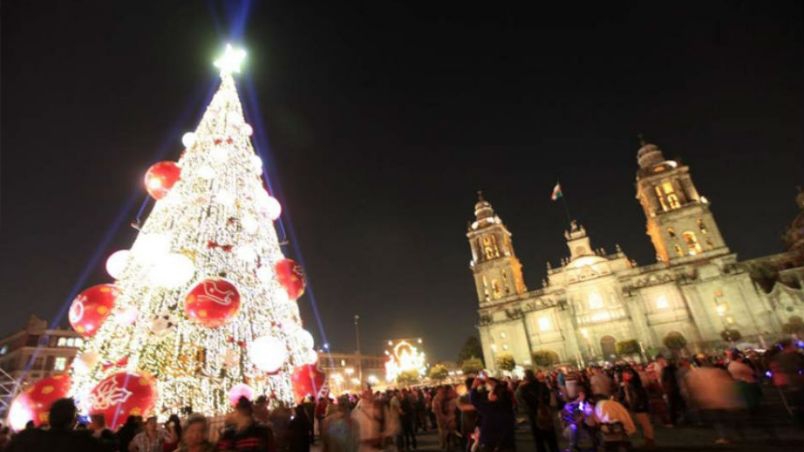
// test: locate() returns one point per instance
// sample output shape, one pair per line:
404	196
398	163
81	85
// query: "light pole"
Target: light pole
359	357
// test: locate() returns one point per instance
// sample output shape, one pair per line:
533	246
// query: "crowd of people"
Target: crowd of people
593	408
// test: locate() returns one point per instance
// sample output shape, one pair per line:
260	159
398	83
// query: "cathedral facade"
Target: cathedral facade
696	296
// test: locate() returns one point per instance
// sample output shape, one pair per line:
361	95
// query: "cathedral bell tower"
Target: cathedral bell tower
497	271
679	221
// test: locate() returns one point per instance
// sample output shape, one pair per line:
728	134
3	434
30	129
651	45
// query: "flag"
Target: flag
556	192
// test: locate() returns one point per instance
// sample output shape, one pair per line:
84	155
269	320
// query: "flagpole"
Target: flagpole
564	202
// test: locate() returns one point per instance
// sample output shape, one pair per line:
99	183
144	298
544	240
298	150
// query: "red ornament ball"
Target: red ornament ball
121	395
212	302
291	277
307	380
160	177
91	307
33	404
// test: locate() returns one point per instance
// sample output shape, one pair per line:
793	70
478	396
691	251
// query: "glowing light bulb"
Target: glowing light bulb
206	172
249	224
247	129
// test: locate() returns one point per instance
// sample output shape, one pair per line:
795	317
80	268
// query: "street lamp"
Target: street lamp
359	357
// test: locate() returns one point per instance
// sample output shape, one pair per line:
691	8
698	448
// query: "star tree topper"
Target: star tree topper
230	61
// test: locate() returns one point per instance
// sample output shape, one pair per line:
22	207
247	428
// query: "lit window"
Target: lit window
61	342
600	316
595	301
671	232
673	201
661	302
60	363
692	243
702	226
660	197
505	347
545	324
503	335
667	187
679	251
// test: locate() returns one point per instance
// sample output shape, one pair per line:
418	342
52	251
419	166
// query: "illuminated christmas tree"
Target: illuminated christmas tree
203	306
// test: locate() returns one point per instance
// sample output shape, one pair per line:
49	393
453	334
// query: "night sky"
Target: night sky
383	119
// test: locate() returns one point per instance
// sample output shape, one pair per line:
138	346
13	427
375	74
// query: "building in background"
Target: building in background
598	305
343	370
36	351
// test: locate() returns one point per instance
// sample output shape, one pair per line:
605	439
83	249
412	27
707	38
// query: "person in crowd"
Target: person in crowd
107	438
534	397
194	435
443	406
339	433
279	422
261	411
421	411
243	433
173	430
61	436
786	367
468	416
367	417
128	431
392	427
615	425
496	411
151	439
580	424
309	411
600	383
298	437
669	379
5	436
633	396
713	392
321	410
408	419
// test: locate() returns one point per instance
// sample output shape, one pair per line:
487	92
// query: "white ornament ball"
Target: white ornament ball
188	139
264	274
247	129
249	224
219	155
246	253
116	263
269	205
268	353
225	197
85	362
172	270
151	247
256	164
305	338
206	172
311	357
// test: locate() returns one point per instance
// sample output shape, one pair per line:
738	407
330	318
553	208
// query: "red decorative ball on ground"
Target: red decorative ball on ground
121	395
33	404
291	277
160	177
91	307
212	302
307	380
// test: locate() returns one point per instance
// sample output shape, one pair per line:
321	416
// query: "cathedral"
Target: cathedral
597	305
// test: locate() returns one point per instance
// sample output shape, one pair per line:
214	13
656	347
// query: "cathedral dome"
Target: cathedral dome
649	155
